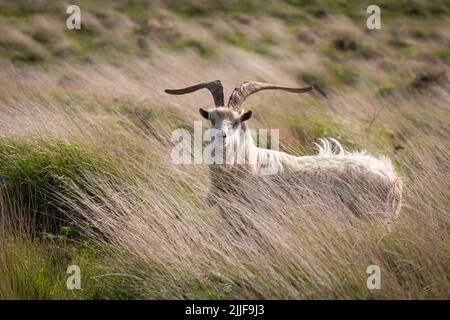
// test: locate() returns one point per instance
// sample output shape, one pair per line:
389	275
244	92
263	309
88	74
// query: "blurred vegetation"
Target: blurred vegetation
128	27
39	175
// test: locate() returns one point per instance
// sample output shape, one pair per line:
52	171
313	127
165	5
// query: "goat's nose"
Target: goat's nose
224	134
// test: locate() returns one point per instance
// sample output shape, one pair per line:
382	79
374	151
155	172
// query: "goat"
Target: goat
352	178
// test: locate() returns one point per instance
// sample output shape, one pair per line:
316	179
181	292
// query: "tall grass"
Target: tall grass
85	142
165	242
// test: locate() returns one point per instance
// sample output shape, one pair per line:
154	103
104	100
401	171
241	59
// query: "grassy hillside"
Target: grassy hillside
86	176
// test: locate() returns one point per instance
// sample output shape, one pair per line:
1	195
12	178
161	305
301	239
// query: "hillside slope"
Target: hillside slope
86	176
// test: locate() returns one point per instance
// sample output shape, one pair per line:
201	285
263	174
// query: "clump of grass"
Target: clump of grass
42	36
203	49
138	10
344	74
314	80
38	269
309	129
443	54
386	90
239	39
88	40
37	173
23	9
345	45
418	9
19	52
192	8
427	79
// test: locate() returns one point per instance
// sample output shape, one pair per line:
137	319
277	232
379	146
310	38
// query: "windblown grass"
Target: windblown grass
87	140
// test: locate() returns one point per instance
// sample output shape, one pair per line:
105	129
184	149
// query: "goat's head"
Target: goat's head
230	118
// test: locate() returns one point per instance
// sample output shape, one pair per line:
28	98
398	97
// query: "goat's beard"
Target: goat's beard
235	151
228	151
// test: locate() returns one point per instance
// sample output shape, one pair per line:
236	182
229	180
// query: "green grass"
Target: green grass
312	79
211	8
203	49
443	53
37	174
344	75
313	127
239	39
23	9
385	89
19	52
427	78
38	269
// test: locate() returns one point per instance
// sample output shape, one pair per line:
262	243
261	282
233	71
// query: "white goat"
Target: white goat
355	179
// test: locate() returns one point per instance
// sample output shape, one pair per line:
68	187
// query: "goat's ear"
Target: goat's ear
245	116
204	113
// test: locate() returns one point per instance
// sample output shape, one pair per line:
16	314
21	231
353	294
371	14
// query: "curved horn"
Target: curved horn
249	87
215	87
